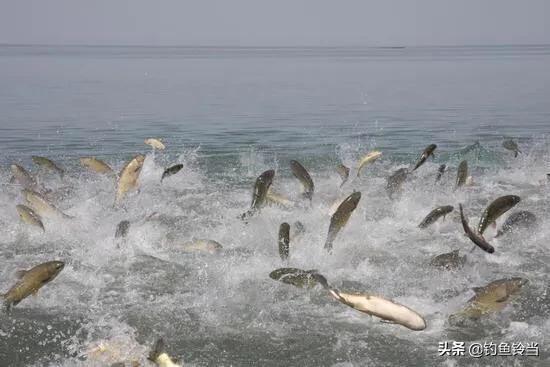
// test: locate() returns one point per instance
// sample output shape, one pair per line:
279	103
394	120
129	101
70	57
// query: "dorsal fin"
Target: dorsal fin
20	273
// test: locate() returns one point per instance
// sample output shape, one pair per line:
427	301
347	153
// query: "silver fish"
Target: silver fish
377	306
341	217
303	176
259	195
24	178
128	179
495	210
343	171
171	171
435	214
473	236
429	151
520	219
31	281
42	206
28	216
462	174
48	164
284	240
449	261
296	277
395	181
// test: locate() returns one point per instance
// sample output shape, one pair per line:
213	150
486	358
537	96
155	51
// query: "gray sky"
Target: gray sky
275	22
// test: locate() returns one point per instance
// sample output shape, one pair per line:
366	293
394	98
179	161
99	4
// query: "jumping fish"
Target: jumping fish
395	181
462	174
284	240
343	171
202	245
450	260
495	210
512	146
369	158
341	217
48	164
159	356
122	229
23	177
440	172
96	165
42	206
303	176
28	216
128	179
155	143
520	219
171	171
435	214
296	277
491	298
475	237
259	194
377	306
31	281
278	199
429	151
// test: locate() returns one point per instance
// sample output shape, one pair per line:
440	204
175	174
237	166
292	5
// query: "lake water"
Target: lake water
228	114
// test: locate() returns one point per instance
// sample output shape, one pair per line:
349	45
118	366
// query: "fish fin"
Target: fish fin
312	271
158	349
455	252
20	273
516	153
494	225
321	279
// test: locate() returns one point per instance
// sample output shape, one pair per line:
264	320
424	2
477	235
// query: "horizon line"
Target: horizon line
397	46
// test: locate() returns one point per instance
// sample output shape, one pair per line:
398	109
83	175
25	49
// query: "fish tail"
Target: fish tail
328	245
158	349
321	279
